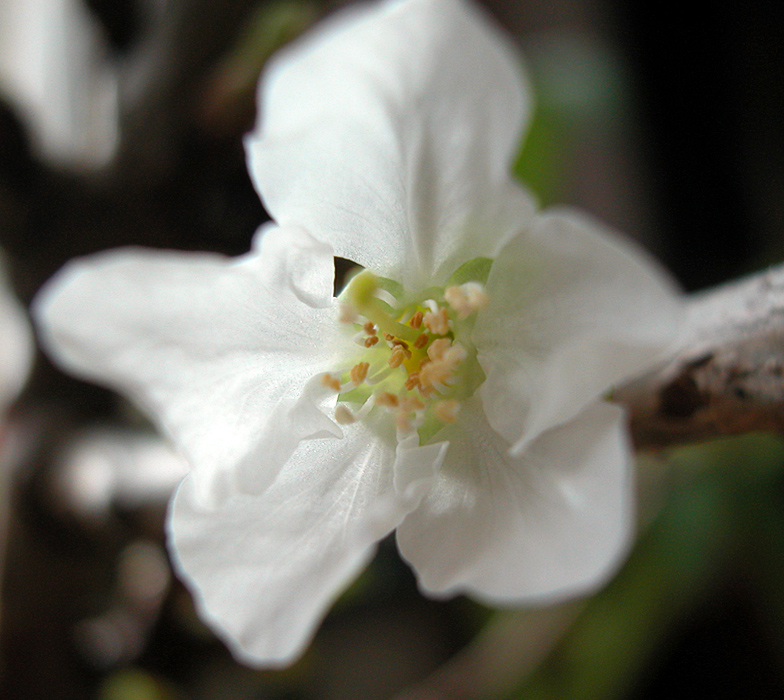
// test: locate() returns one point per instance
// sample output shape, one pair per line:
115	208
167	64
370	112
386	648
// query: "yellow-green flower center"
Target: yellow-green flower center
415	357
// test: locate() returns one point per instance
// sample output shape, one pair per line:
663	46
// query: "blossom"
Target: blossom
54	71
453	392
16	345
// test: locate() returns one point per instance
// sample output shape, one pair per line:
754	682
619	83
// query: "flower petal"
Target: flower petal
389	134
550	523
573	311
220	351
16	343
266	568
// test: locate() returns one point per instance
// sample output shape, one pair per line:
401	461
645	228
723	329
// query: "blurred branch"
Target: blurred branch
728	377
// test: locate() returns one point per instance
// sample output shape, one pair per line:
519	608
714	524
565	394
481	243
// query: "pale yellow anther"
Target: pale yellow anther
398	356
437	321
466	299
455	355
416	320
457	299
438	348
331	381
446	411
412	403
397	343
370	341
421	341
359	373
343	416
387	399
434	373
476	294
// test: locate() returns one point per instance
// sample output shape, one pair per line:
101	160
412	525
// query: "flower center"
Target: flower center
415	359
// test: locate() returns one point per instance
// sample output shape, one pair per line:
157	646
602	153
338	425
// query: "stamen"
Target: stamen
380	376
387	399
446	411
343	416
437	321
466	298
331	381
439	347
426	339
398	356
412	403
455	355
397	343
435	373
477	296
359	372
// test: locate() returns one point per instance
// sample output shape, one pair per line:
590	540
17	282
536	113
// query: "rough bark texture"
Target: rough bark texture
728	377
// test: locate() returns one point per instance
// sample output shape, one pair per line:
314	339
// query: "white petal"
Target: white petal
573	311
16	344
550	523
219	351
389	134
266	568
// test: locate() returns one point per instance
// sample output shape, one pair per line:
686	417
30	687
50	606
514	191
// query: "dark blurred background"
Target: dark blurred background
664	120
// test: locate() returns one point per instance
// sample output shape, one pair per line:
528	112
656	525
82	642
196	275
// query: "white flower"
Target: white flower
16	346
385	137
54	69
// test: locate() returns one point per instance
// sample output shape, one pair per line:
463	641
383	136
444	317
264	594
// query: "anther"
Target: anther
439	347
412	403
421	341
416	320
369	328
466	298
386	399
359	372
370	341
477	296
446	411
398	356
413	381
330	381
437	321
343	416
397	343
434	374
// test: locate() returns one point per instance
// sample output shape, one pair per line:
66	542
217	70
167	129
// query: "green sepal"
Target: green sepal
474	270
